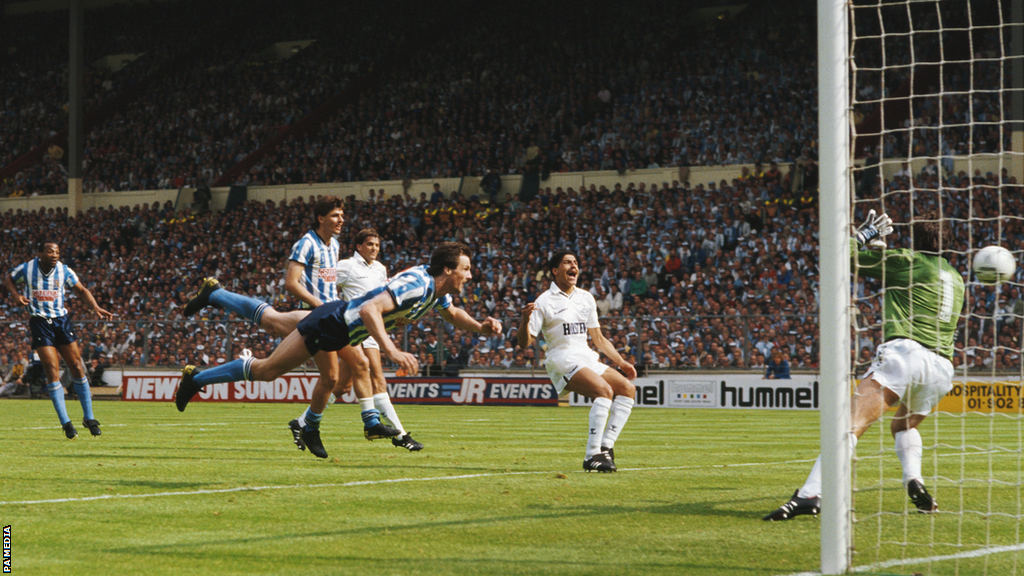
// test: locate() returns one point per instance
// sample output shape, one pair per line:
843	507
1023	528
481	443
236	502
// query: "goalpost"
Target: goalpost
932	88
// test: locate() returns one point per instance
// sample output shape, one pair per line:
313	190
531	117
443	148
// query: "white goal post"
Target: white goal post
834	308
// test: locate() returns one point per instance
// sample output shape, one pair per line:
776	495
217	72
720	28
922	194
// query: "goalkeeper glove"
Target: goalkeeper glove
873	229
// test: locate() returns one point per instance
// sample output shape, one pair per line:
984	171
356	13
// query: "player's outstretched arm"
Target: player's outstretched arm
372	315
85	293
461	319
608	349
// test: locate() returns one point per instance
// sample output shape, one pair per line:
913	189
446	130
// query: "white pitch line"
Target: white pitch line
910	561
370	483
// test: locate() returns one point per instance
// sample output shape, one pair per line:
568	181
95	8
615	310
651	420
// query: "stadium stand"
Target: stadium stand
695	274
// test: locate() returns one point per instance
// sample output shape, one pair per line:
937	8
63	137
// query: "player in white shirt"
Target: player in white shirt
311	277
566	316
356	276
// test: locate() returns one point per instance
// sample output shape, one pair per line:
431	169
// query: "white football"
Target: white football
994	265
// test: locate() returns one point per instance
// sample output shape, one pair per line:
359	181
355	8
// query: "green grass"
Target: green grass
220	489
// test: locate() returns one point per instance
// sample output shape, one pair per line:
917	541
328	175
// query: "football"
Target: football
994	265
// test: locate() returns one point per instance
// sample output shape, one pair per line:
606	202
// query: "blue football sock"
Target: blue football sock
231	372
371	417
85	397
312	419
57	397
249	308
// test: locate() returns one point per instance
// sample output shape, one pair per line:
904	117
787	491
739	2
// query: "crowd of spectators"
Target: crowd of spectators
687	275
217	89
34	80
612	87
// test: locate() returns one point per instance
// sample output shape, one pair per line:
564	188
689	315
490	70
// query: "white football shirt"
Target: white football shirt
564	319
357	277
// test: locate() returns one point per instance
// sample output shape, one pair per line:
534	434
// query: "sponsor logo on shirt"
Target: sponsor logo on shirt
45	295
327	274
570	328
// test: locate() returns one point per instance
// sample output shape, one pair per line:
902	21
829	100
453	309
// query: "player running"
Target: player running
566	315
923	300
43	281
340	326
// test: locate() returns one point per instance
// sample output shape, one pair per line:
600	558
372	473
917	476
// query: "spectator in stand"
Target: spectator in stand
778	367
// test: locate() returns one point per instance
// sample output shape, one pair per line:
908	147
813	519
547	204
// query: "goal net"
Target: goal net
935	108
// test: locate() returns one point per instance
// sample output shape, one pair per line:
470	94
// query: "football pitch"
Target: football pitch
221	489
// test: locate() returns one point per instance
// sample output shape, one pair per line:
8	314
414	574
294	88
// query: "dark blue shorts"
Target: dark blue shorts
51	331
324	329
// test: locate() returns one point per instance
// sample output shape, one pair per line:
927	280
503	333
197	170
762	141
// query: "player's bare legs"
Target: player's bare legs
281	324
868	404
288	355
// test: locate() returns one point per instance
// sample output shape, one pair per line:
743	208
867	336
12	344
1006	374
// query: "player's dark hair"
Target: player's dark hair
446	255
932	233
323	207
556	259
42	244
364	234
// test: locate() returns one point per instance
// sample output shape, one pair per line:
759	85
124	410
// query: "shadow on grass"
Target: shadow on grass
539	513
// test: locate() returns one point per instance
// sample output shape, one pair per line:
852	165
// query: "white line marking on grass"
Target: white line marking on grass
260	488
370	483
910	561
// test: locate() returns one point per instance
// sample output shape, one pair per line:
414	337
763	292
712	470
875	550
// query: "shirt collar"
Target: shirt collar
556	290
359	258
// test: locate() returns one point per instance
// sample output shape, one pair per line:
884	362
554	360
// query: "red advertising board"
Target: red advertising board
297	387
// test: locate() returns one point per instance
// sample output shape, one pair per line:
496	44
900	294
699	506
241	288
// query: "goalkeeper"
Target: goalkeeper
924	296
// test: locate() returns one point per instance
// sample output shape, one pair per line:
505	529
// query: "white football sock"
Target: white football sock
598	420
383	403
909	449
366	403
812	486
302	419
620	410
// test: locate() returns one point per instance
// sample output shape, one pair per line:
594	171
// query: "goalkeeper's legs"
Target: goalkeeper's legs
867	406
909	446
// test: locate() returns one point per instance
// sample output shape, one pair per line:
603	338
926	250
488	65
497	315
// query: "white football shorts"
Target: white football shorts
562	365
370	343
918	375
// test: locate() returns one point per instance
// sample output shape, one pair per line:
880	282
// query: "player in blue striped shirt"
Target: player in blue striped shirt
40	285
312	278
342	325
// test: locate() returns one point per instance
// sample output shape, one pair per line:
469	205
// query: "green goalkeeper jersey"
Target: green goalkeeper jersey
924	295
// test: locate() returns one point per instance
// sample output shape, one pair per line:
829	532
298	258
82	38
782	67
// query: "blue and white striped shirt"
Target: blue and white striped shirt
413	293
321	261
45	291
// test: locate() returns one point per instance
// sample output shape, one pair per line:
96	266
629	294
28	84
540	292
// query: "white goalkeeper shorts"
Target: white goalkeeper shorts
918	375
370	343
562	365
